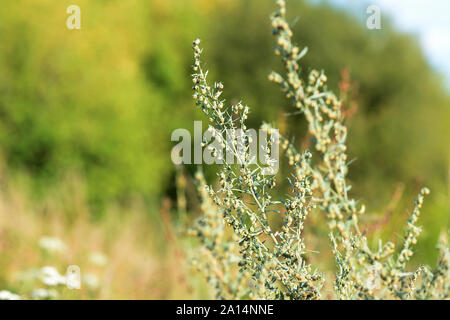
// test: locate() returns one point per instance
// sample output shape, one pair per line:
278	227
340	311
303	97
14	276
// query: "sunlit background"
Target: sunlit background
86	116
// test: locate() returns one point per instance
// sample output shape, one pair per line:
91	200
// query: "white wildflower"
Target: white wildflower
42	294
52	244
98	259
91	280
51	277
6	295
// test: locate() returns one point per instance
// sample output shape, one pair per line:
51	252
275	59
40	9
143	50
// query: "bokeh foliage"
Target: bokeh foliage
103	101
95	101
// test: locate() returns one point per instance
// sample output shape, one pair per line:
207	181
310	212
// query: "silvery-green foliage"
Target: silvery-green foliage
272	263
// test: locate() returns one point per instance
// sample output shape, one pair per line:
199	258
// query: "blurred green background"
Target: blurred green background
101	102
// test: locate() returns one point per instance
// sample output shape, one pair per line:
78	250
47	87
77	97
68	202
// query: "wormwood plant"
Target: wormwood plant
256	261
